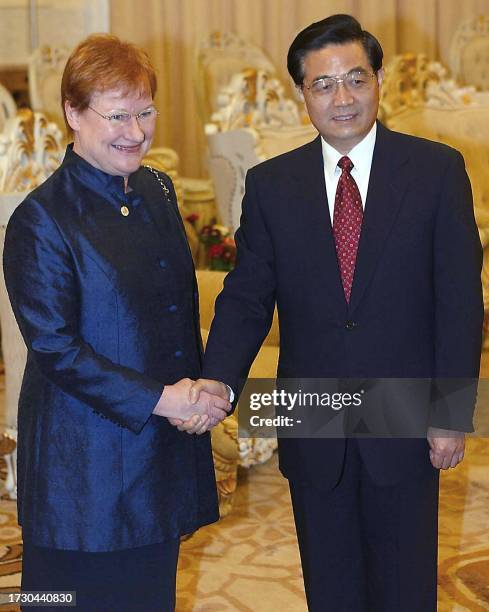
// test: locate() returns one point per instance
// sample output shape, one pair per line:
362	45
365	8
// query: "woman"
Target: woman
102	284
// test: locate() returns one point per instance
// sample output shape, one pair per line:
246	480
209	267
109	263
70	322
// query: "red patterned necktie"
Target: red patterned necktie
347	223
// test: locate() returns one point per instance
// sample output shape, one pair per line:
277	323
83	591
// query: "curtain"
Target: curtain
169	31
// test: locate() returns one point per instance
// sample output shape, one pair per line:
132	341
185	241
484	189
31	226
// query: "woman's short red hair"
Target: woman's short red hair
103	62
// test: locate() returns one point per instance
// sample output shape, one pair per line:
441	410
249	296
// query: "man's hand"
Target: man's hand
446	447
210	386
175	404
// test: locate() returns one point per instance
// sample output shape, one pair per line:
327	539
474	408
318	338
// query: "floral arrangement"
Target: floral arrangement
219	245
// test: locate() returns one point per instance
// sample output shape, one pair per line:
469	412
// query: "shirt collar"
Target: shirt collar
361	154
106	185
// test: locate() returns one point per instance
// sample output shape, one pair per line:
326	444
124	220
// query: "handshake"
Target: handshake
194	406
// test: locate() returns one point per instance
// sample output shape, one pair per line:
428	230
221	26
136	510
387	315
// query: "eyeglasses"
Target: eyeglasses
354	81
117	118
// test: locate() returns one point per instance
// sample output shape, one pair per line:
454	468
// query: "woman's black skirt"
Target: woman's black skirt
121	581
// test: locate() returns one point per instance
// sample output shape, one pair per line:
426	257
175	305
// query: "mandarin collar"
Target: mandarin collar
108	186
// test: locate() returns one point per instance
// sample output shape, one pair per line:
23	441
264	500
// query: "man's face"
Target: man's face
344	115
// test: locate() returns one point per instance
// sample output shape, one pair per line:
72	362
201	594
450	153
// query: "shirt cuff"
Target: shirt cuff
231	394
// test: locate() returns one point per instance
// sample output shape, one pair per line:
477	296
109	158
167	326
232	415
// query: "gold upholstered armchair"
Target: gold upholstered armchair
469	53
218	57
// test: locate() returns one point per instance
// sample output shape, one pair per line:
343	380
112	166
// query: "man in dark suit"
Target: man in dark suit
365	240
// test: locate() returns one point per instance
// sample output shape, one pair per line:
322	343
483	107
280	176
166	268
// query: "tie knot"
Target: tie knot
345	163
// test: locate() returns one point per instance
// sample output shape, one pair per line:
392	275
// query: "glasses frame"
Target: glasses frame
341	78
114	122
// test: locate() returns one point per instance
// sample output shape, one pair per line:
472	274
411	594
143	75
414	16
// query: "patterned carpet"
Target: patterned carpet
249	561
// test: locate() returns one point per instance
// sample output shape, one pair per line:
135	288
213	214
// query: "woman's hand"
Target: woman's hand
197	424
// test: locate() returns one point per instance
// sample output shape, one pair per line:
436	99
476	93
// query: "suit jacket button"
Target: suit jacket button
124	211
178	354
163	263
173	308
350	325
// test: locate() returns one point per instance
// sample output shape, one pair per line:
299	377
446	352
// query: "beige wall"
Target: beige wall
170	29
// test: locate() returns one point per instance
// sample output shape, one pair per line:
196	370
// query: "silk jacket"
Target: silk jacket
108	307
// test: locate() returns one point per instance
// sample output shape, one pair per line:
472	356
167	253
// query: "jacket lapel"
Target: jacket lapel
387	186
310	189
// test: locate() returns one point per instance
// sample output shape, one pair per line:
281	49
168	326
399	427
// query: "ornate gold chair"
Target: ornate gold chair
252	98
239	94
31	148
218	57
254	121
412	80
469	53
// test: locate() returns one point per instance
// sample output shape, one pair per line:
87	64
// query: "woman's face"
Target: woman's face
115	147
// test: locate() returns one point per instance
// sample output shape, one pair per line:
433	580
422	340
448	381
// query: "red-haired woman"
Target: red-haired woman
102	284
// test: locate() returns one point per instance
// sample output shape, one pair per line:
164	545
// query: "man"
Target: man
365	240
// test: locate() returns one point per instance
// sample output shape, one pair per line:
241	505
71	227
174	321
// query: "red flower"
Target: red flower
192	218
216	251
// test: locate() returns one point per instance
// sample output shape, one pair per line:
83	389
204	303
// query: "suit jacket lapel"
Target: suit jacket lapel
310	189
387	185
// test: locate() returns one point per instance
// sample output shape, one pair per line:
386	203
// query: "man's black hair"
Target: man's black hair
334	30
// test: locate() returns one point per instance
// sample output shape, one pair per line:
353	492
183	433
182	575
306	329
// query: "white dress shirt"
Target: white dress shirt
361	156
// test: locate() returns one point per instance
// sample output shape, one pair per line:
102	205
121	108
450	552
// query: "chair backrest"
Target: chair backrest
210	284
218	57
232	153
31	148
254	121
412	80
8	108
469	53
46	65
252	98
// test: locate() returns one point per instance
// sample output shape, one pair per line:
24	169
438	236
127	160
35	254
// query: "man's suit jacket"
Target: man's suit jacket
415	309
108	308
